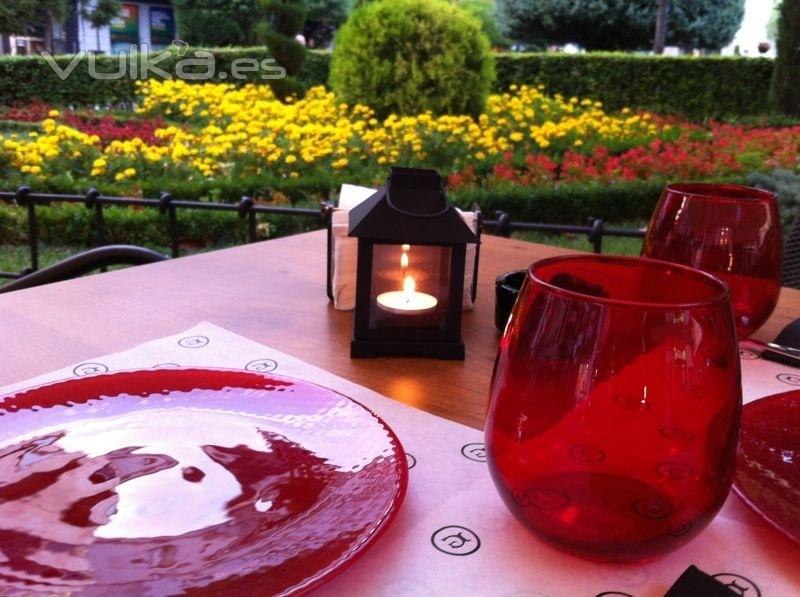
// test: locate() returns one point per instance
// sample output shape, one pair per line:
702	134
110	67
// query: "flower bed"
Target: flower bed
212	134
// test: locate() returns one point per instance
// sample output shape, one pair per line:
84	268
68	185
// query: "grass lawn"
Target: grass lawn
15	258
612	245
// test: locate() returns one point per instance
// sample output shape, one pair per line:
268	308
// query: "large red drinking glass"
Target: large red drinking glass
615	405
731	231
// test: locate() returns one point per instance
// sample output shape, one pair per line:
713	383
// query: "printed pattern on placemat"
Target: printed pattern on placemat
474	451
741	585
193	342
85	369
262	365
456	540
790	379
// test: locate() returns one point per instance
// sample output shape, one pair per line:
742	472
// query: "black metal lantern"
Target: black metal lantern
410	271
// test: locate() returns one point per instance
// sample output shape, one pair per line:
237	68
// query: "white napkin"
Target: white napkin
345	249
450	492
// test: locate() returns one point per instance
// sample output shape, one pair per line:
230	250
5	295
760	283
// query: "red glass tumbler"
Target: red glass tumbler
615	405
731	231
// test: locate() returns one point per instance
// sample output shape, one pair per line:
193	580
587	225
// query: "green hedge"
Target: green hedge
308	189
72	224
25	77
565	204
569	204
696	87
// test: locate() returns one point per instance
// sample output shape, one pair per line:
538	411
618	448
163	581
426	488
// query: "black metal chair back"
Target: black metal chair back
85	262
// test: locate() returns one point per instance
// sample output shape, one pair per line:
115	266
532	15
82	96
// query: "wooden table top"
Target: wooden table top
272	292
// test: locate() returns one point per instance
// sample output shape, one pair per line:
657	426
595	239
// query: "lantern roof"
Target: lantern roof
410	208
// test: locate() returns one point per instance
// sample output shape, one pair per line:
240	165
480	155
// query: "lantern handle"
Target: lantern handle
412	214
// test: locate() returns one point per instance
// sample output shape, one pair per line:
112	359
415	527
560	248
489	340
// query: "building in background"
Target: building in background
18	45
139	23
149	23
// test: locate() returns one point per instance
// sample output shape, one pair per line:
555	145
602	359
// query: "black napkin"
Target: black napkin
789	338
696	583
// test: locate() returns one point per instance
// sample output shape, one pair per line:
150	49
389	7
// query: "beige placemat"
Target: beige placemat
453	535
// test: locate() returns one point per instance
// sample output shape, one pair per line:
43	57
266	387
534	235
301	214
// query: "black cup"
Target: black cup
507	287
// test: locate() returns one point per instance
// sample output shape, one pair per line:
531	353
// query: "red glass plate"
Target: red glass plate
768	474
196	481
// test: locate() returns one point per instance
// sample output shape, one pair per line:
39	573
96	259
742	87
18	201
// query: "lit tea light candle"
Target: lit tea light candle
407	300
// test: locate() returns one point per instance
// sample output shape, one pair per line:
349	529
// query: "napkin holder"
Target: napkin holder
343	250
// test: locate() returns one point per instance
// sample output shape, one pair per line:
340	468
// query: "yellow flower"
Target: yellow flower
54	113
246	128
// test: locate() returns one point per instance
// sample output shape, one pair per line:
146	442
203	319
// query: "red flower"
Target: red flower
109	129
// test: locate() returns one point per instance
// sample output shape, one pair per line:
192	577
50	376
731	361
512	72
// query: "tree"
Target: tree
621	24
20	17
16	17
282	21
603	24
214	23
101	13
786	76
486	12
774	17
661	27
323	19
707	25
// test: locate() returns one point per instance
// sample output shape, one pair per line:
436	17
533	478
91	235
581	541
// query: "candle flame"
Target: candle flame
404	260
406	247
409	286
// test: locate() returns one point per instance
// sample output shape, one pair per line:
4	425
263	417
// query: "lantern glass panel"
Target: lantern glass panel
410	286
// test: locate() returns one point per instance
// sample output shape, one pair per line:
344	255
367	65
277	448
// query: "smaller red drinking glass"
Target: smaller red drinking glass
731	231
615	405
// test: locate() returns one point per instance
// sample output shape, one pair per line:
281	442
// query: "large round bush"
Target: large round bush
409	56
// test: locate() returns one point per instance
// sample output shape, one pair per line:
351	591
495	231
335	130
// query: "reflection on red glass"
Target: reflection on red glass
201	481
768	475
615	405
731	231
